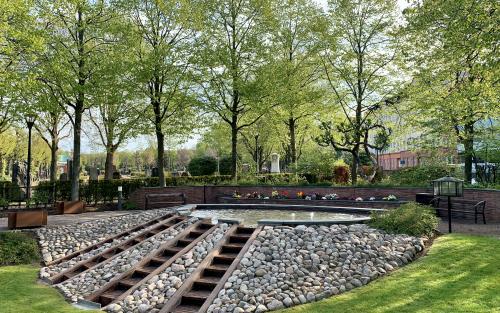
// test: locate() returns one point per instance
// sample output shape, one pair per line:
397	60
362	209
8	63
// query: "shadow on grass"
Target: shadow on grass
459	274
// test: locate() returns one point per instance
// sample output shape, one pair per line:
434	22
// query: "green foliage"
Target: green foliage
17	248
411	218
129	205
9	191
419	175
3	203
204	165
225	166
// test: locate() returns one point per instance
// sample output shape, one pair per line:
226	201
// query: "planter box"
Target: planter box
381	204
27	219
70	207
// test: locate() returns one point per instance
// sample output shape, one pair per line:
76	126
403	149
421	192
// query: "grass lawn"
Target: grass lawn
19	293
459	274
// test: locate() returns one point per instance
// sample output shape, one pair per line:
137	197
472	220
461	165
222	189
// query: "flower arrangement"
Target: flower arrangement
391	198
236	195
331	196
372	198
254	195
279	195
300	195
359	199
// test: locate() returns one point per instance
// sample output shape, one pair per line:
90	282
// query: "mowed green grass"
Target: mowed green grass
459	274
19	293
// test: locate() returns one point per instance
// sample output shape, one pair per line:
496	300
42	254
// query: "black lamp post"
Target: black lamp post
30	122
449	187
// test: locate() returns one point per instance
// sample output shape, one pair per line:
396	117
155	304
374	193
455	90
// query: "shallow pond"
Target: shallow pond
251	217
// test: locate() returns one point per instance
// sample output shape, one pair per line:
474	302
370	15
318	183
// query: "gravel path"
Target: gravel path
89	281
59	241
289	266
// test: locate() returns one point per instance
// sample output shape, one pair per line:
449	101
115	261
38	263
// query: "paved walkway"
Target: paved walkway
72	218
458	226
469	228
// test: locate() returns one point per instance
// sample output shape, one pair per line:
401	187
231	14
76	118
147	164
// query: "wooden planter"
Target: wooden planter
27	219
70	207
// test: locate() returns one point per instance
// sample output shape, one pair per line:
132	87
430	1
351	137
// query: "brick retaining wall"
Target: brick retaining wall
209	194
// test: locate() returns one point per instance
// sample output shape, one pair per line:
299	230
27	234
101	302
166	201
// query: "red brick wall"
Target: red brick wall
208	194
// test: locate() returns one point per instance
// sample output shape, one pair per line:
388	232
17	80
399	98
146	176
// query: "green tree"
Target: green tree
118	114
165	36
453	49
77	40
295	69
233	38
359	63
18	42
202	166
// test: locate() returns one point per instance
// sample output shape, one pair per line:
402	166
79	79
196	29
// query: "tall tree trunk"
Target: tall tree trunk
354	167
108	166
160	142
75	173
468	143
293	144
234	148
79	108
53	161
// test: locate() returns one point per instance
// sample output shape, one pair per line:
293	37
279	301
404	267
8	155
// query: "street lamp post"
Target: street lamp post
30	122
120	195
448	187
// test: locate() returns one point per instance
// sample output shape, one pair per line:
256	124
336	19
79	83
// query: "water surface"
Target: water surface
251	217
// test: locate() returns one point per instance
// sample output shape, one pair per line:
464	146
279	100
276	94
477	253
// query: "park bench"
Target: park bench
462	207
161	200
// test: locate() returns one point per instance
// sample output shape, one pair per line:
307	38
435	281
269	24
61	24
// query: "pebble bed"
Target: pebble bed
159	289
91	280
284	266
49	271
59	241
289	266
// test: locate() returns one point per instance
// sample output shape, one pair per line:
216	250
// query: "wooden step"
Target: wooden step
197	294
108	297
235	245
229	255
238	239
183	242
244	230
187	309
160	259
221	260
208	280
131	281
203	285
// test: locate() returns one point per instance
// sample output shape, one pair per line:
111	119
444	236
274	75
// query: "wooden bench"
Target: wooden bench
462	206
28	218
164	200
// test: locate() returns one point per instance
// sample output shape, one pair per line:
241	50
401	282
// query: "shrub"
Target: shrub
419	175
411	218
341	174
17	248
225	166
200	166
